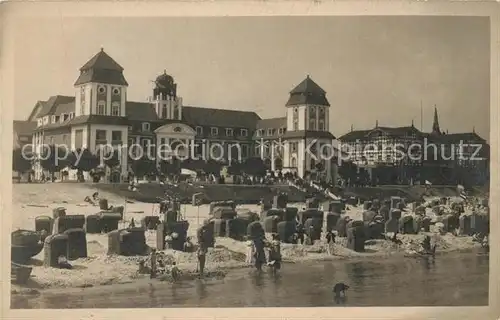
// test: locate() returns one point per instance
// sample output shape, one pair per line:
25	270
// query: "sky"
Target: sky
372	68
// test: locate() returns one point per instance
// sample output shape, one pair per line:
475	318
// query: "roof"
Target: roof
391	131
308	134
22	128
36	110
307	92
101	68
308	86
140	111
64	108
271	123
219	117
50	106
102	61
101	76
455	137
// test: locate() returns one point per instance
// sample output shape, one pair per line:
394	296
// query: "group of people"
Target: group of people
256	253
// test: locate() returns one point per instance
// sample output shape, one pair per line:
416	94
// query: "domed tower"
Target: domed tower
167	104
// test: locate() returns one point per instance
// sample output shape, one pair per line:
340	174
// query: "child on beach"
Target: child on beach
175	272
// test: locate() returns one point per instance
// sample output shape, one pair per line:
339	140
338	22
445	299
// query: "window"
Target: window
295	119
281	131
199	131
321	125
82	100
39	122
293	146
116	91
257	150
229	132
145	143
177	129
101	107
101	89
145	126
244	151
244	132
71	115
214	131
312	124
53	120
258	133
176	112
100	137
270	132
116	137
46	120
130	128
115	109
164	112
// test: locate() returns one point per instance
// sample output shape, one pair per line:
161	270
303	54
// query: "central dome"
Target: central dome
164	84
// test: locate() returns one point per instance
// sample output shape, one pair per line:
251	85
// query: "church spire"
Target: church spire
435	124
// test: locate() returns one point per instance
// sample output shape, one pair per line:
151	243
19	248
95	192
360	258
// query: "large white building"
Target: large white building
99	114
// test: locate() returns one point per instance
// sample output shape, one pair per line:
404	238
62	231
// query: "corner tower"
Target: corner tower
308	129
101	88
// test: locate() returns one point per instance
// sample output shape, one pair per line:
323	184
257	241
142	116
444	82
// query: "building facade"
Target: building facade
99	114
407	154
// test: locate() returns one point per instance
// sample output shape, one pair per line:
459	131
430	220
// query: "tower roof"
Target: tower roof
307	92
103	61
103	69
308	86
435	124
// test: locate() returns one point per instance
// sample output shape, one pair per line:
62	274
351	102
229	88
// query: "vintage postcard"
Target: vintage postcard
250	154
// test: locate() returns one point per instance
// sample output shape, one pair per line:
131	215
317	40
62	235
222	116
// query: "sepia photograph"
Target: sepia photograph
250	161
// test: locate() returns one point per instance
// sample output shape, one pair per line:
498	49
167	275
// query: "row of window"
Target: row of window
55	118
270	132
102	90
146	126
101	108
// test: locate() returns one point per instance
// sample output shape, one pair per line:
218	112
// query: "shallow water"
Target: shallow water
459	279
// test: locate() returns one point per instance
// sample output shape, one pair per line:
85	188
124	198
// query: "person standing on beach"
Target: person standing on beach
153	264
202	252
330	240
300	231
249	252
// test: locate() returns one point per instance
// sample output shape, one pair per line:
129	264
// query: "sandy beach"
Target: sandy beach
32	200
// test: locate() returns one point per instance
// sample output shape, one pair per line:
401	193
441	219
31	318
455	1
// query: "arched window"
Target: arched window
294	163
115	108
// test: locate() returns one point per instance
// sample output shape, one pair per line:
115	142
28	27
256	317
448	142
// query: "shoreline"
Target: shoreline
224	269
101	270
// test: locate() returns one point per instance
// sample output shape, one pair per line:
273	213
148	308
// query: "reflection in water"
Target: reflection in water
449	280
